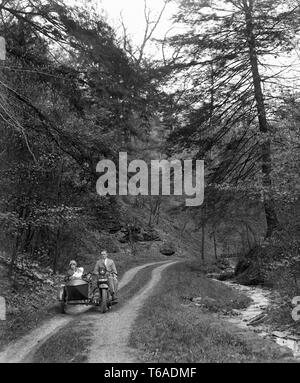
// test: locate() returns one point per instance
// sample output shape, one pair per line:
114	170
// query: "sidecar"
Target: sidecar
74	292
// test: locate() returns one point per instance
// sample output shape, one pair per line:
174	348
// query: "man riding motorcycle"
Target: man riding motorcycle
110	266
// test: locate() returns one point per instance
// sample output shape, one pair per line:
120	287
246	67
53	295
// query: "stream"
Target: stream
252	317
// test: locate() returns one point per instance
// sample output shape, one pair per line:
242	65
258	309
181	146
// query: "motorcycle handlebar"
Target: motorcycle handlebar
109	272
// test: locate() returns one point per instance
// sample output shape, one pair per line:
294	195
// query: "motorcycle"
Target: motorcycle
101	293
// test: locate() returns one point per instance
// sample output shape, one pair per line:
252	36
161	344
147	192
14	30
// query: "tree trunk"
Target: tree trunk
13	257
158	211
154	210
215	244
212	96
244	248
266	166
183	228
58	231
203	242
248	239
57	251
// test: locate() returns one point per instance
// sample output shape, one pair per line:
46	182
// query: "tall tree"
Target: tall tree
227	108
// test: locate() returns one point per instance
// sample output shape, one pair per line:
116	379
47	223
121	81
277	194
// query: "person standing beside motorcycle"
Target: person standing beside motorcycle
111	270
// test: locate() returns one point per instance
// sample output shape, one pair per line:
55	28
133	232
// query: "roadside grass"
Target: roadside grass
66	346
20	323
170	328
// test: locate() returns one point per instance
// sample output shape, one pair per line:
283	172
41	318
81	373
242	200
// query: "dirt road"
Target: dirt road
111	334
110	331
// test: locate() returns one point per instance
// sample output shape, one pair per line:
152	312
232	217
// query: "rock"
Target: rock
222	263
252	276
294	337
242	265
252	269
226	275
210	303
139	234
223	276
167	248
280	334
213	275
150	234
139	237
257	320
197	300
206	302
114	228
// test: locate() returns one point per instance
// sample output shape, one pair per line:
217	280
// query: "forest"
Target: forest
225	89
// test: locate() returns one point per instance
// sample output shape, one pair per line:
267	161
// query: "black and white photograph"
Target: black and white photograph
150	184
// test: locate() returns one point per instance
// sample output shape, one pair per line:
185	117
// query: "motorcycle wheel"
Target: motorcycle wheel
62	307
103	306
63	303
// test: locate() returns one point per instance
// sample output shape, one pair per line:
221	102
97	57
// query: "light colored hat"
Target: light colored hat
73	263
